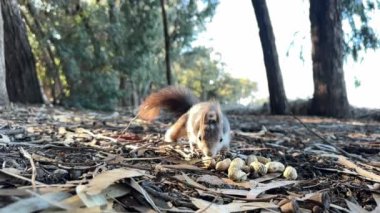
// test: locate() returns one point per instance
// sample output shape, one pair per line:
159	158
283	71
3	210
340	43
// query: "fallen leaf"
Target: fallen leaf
206	206
267	177
237	192
90	200
183	167
34	204
105	179
147	197
246	184
265	187
4	139
190	181
355	208
211	179
348	164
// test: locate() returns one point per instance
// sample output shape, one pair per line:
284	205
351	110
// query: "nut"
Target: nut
223	165
237	175
235	172
259	167
263	160
250	159
275	166
208	162
290	173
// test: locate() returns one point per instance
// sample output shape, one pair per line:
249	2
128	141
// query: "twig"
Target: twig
328	142
34	170
126	128
99	136
19	177
167	197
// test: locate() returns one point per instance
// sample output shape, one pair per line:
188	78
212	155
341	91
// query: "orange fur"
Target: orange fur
173	98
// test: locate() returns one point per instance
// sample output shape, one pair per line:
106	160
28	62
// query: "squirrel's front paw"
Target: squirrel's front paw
167	137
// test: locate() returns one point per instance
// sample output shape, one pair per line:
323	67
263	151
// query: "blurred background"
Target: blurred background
105	54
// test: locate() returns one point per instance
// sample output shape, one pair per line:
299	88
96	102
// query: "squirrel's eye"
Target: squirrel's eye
200	138
221	140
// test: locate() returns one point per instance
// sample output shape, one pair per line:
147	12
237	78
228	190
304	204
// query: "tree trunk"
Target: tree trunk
53	82
330	98
167	44
3	87
22	81
277	96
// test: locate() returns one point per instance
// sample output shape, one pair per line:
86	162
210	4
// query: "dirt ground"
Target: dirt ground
55	159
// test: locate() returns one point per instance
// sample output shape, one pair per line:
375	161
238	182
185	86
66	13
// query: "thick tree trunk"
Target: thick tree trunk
167	44
22	81
330	98
3	86
53	82
277	96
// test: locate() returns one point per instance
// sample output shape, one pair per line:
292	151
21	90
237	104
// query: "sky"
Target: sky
233	33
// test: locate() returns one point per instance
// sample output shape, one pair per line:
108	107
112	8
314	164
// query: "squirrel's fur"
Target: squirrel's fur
202	122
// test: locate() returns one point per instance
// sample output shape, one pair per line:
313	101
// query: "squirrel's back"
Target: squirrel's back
173	98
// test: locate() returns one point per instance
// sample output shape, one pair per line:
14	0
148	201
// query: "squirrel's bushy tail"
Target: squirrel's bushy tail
175	99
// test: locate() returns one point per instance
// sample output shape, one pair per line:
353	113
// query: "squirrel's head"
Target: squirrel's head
210	133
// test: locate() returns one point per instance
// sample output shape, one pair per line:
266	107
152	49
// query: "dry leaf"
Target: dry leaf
231	207
105	179
147	197
210	179
183	167
246	184
345	162
267	177
190	181
237	192
265	187
90	200
34	204
355	208
4	139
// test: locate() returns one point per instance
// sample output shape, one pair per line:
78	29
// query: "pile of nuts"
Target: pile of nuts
238	169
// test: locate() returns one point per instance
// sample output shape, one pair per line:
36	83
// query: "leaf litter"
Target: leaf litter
55	159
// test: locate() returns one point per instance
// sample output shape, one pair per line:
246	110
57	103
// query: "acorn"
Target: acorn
290	173
275	166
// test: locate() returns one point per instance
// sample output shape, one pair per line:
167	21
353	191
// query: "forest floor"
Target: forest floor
55	159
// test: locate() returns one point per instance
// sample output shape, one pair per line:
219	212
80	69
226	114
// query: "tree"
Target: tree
330	98
277	96
206	77
167	43
3	87
22	82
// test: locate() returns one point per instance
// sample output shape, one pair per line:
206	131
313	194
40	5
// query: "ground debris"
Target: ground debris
55	159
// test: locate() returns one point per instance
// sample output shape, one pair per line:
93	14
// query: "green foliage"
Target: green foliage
198	71
362	35
100	54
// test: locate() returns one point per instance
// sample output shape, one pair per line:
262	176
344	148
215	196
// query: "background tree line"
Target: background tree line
102	54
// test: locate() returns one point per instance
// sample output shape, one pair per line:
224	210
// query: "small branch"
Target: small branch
34	170
330	143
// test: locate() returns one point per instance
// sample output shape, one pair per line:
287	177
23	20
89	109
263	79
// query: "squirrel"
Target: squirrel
203	123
